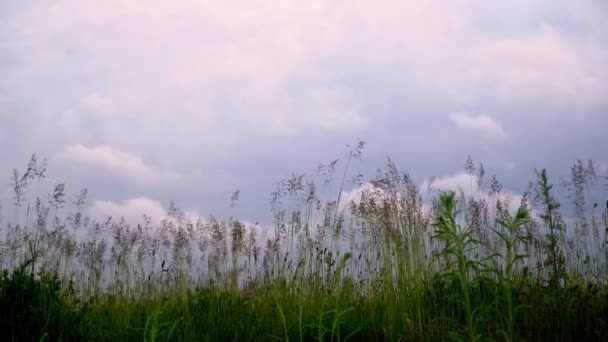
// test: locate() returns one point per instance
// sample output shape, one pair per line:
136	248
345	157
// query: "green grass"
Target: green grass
383	269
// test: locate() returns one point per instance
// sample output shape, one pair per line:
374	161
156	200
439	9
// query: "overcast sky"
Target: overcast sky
149	101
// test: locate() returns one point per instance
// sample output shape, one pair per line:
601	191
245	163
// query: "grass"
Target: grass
397	264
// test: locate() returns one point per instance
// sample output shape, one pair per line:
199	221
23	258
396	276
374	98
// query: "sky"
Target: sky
144	102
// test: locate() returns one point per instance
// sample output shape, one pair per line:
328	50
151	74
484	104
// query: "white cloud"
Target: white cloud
115	162
468	184
132	210
480	123
458	182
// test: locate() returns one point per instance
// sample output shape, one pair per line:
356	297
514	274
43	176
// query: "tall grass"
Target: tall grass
391	263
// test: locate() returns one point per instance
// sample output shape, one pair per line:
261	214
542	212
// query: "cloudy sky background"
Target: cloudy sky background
149	101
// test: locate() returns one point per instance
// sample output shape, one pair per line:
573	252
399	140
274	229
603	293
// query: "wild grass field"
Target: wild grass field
393	262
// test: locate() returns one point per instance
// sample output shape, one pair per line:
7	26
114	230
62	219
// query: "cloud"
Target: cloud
468	184
115	162
131	210
541	65
262	86
480	123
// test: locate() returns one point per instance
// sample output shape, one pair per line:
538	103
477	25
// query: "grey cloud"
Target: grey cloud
234	95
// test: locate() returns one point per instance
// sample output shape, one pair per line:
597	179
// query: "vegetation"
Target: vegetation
391	263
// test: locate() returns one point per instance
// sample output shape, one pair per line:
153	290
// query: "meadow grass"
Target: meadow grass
395	263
